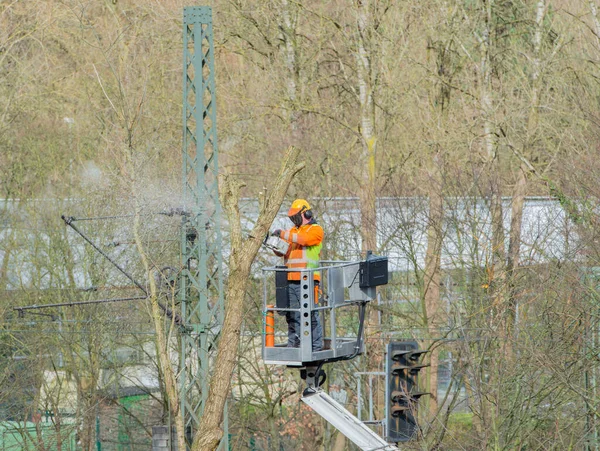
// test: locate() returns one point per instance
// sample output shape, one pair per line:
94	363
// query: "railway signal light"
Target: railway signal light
402	394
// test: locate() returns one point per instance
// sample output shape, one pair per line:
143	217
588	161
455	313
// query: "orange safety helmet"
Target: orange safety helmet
298	206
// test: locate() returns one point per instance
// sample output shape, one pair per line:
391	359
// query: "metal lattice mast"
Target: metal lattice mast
202	277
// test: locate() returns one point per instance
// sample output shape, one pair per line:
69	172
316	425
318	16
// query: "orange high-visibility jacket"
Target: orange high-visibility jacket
305	248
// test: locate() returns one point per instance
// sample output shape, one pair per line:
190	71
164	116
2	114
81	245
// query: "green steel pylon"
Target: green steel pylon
201	286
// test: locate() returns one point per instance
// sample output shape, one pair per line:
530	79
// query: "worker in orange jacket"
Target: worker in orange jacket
306	241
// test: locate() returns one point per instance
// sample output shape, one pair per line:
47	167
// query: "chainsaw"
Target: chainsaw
276	244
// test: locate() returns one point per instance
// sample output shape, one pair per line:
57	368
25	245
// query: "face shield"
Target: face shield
296	219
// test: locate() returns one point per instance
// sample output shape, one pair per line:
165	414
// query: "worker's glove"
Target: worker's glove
276	232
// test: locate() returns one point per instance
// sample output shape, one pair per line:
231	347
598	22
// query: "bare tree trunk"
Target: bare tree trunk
87	436
368	199
432	276
340	442
85	374
4	264
498	251
477	419
594	11
367	127
514	243
520	189
162	341
289	17
243	253
496	265
274	443
368	207
158	317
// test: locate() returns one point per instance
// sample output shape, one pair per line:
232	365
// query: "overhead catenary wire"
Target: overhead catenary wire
72	304
69	289
69	221
80	332
178	211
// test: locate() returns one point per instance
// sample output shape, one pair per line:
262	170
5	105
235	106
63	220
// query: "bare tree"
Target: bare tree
243	254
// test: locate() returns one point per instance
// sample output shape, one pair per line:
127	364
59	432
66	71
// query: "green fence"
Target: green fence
17	436
123	425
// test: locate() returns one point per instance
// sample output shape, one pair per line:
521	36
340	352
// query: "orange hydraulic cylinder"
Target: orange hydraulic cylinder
270	328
